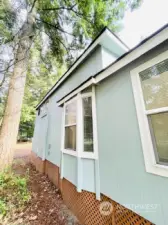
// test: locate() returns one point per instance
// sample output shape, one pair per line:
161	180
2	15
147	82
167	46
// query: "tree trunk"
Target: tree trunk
11	119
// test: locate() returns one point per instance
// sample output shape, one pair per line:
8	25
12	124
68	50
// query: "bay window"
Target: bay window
150	87
78	125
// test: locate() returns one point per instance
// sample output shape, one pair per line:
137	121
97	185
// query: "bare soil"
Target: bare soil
22	149
46	206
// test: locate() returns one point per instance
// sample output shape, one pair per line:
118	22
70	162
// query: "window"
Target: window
154	83
78	125
87	124
150	86
70	125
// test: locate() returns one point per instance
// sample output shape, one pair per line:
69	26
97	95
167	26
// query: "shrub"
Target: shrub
14	193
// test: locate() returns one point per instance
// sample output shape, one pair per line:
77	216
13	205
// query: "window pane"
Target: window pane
70	113
88	124
159	123
154	81
70	137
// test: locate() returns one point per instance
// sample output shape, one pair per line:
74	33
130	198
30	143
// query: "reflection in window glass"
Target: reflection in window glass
159	131
88	124
70	137
70	126
154	81
70	113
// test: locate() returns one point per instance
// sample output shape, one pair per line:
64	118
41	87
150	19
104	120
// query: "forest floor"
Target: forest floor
45	206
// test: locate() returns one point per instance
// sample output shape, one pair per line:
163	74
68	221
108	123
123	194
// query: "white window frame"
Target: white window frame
79	127
70	151
151	164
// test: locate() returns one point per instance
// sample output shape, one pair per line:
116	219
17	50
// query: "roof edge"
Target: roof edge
125	54
77	60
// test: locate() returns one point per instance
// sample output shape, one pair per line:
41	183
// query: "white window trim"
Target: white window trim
79	128
148	150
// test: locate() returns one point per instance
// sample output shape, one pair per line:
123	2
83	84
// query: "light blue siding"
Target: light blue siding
89	67
70	168
54	132
107	57
88	174
40	133
122	170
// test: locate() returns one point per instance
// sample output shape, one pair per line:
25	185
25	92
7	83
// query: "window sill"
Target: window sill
88	155
70	152
85	155
157	169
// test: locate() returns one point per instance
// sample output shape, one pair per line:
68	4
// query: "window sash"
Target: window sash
158	142
71	113
72	101
70	132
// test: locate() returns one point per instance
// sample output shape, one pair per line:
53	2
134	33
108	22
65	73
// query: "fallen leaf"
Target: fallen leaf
33	218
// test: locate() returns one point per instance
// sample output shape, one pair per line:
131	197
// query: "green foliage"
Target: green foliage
7	21
68	25
42	74
3	207
13	192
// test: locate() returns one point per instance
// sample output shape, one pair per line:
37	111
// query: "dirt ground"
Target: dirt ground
22	149
46	206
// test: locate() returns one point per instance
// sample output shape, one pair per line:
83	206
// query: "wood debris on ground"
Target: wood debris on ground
46	206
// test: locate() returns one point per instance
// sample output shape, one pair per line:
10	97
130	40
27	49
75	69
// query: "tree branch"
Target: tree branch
59	8
54	26
33	6
70	9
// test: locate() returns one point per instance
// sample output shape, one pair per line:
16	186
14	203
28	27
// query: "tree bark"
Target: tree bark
11	119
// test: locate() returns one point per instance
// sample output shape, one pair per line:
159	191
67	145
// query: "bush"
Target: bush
14	193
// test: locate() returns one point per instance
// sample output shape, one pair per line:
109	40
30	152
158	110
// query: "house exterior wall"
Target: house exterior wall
122	171
107	57
90	66
70	168
88	175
